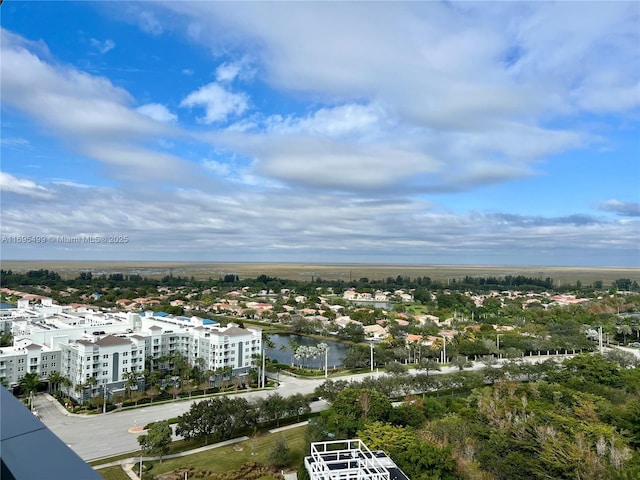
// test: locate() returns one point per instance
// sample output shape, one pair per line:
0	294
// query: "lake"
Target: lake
336	353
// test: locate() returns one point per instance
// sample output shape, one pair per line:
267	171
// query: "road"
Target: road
98	436
115	433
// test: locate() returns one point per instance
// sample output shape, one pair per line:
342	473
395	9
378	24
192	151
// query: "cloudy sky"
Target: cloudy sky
501	133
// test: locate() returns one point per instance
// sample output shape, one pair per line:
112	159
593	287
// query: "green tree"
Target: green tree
219	418
353	332
279	453
418	459
273	407
353	408
55	379
157	440
396	368
358	356
428	364
460	362
29	383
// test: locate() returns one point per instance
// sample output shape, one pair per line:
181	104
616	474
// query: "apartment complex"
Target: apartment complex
99	350
27	357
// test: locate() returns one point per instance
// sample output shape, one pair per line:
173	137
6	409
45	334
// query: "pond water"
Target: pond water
335	355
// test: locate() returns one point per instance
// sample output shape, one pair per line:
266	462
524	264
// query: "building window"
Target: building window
105	356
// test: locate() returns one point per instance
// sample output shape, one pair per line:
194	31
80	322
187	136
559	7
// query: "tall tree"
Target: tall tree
279	454
157	441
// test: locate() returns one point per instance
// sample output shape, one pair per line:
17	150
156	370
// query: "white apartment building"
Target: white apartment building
98	350
27	357
108	360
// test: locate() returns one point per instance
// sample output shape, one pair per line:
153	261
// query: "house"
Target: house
376	332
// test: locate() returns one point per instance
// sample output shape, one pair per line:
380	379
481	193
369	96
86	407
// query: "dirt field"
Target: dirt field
305	272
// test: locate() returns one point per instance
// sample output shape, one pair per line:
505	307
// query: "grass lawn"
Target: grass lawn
232	457
113	473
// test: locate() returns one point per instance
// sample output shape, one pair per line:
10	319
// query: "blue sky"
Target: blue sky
499	133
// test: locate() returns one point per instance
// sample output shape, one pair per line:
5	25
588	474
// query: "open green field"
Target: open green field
305	272
113	473
232	457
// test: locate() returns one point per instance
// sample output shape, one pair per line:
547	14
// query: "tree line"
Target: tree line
52	279
577	419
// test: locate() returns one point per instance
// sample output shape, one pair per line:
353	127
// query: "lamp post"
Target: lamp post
263	366
371	345
326	359
140	464
444	349
498	343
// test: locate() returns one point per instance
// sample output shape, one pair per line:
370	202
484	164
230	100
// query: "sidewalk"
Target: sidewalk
134	460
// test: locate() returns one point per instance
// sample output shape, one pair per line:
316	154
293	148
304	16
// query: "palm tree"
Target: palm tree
625	330
131	380
66	383
293	346
29	384
91	383
54	381
79	388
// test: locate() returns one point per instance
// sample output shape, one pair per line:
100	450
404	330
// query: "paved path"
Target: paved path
105	435
133	460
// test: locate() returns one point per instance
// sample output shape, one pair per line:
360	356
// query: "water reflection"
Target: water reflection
282	351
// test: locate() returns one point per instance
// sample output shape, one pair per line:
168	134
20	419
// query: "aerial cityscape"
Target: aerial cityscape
320	240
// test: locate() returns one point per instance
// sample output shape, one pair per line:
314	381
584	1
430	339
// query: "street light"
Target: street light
371	345
498	343
444	349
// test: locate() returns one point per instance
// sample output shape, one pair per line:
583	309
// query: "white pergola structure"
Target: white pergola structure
350	460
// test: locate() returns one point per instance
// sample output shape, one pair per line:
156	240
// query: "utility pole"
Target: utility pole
263	366
326	359
600	340
444	349
104	399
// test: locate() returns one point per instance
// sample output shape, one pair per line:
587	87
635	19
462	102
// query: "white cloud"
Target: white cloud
340	121
22	186
15	142
227	71
103	46
217	226
149	23
473	88
158	112
90	113
628	209
219	168
218	102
